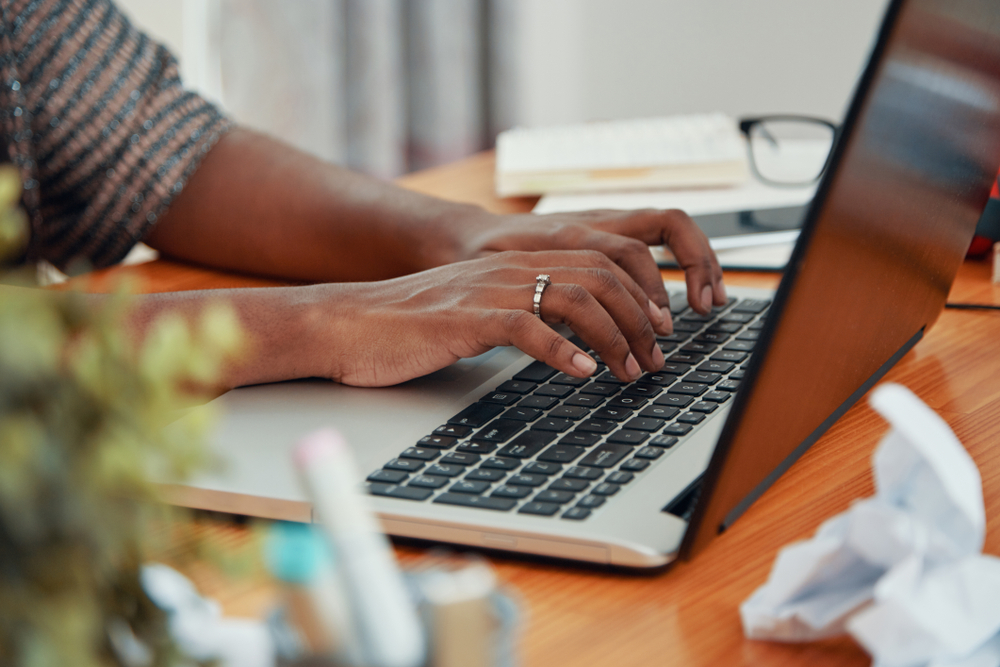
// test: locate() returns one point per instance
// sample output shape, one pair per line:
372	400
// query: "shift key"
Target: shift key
606	456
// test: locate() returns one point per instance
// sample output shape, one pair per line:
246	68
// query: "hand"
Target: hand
623	236
386	332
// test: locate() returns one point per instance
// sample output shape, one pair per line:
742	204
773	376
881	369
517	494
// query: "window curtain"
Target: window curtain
382	86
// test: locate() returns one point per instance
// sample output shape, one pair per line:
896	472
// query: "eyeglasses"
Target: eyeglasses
789	150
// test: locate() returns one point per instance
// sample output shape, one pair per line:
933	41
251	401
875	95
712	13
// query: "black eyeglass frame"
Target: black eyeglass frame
747	124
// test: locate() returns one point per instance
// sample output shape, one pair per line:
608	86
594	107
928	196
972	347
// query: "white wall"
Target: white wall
597	59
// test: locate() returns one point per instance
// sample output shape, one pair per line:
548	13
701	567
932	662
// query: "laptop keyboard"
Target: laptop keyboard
551	445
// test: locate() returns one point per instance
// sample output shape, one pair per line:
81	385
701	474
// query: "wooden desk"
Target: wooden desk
577	615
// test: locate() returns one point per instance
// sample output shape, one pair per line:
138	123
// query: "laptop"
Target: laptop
502	452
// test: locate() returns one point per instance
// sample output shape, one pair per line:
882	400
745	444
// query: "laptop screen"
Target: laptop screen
882	242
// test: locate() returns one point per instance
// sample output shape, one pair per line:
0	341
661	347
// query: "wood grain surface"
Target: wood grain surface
687	615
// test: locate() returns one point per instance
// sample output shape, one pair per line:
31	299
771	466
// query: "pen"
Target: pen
384	612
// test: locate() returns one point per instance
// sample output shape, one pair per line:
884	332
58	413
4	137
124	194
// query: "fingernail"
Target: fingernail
668	320
632	367
657	356
655	316
706	297
584	364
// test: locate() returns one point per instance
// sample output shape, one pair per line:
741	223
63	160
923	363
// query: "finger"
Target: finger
690	248
610	287
605	273
535	338
578	308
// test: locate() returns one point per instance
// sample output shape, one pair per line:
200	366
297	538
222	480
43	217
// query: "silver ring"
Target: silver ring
541	282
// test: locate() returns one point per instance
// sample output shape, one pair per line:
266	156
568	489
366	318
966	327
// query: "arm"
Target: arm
419	282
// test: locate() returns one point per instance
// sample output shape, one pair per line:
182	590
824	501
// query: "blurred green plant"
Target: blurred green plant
82	434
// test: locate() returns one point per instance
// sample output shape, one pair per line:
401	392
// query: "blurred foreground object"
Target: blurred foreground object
81	432
902	571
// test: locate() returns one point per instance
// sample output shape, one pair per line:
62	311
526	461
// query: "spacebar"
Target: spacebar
465	500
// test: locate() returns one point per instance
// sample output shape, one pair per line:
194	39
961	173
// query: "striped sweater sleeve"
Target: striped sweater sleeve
95	116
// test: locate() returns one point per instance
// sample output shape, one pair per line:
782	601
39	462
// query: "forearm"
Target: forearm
259	206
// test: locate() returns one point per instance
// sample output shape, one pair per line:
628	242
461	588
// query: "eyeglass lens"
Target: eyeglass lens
790	152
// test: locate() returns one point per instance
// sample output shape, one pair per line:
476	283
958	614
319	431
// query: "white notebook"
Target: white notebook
699	150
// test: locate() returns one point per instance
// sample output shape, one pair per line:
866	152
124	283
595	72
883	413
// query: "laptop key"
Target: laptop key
527	444
714	337
573	412
580	439
576	513
476	414
476	447
387	476
728	385
501	398
657	379
428	481
500	464
597	426
404	492
521	479
665	441
674	400
591	502
572	485
729	355
465	500
512	492
645	424
550	424
677	429
711	366
453	431
614	414
736	317
690	388
499	430
646	453
562	378
691	418
717	396
584	400
749	334
676	337
628	437
737	374
631	402
436	441
726	327
701	377
518	386
406	465
542	468
538	402
686	358
666	347
557	497
536	372
751	305
608	377
619	477
605	456
461	458
556	390
541	509
638	465
581	472
444	470
674	369
522	414
560	453
469	487
705	406
601	389
643	390
481	475
659	413
421	453
605	489
699	348
740	346
687	327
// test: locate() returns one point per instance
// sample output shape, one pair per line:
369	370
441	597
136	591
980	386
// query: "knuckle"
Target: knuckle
516	322
577	296
603	279
553	346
